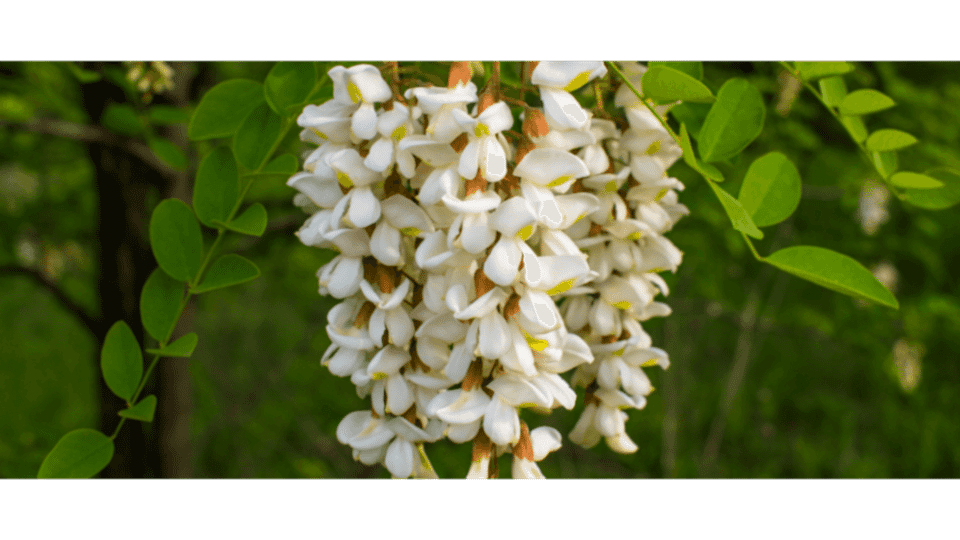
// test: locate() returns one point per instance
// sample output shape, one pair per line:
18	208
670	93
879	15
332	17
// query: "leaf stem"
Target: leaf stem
637	93
863	149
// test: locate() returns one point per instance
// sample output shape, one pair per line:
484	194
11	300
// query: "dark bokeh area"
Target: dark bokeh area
770	377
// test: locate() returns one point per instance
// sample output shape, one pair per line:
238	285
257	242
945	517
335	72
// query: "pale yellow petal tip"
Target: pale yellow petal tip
379	376
411	231
559	181
354	92
578	81
623	304
563	286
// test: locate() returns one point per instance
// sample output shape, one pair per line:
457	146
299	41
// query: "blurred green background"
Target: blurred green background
771	376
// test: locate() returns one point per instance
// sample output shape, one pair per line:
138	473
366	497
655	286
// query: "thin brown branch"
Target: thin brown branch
93	134
90	322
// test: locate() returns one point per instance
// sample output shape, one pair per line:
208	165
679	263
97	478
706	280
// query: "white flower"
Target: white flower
394	126
485	151
439	104
401	216
556	80
363	85
533	446
360	207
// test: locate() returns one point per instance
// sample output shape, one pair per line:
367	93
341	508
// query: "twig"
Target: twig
91	323
742	353
93	134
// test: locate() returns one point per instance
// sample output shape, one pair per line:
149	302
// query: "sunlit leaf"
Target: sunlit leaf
833	89
834	271
771	190
668	84
733	122
738	215
912	180
939	198
889	140
816	70
860	102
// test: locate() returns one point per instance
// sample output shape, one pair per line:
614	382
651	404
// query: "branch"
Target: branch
88	133
91	323
742	354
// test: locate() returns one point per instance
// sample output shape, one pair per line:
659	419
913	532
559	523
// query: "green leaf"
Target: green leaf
693	69
855	127
733	122
691	114
816	70
771	190
253	221
167	115
668	84
176	240
912	180
160	304
121	361
142	411
708	171
738	215
217	189
181	348
285	164
834	89
253	141
936	199
84	76
860	102
832	270
889	140
231	269
885	162
122	118
168	152
82	453
288	86
223	108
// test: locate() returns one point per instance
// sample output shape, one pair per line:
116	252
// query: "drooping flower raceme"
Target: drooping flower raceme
477	265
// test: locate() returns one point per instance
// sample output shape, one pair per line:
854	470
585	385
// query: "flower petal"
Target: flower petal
501	422
545	439
399	458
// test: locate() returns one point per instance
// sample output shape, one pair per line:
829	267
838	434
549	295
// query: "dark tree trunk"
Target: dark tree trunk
125	261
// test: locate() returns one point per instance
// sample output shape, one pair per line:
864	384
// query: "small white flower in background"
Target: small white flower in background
872	209
455	249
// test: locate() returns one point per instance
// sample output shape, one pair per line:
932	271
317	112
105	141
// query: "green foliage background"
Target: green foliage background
820	396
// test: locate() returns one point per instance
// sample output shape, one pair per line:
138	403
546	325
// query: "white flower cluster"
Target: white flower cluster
456	247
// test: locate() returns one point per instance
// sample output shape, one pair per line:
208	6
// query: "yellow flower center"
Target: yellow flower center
635	235
559	181
481	130
411	231
563	286
319	134
344	179
536	344
611	186
578	81
649	363
525	232
354	92
623	304
654	148
399	133
662	194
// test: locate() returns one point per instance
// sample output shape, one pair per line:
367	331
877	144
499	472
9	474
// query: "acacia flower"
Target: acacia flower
556	80
360	85
485	151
